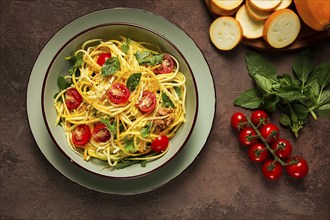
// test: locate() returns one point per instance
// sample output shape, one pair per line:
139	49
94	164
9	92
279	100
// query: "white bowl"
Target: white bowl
59	66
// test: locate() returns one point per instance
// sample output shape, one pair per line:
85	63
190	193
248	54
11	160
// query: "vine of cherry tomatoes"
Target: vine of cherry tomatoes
262	138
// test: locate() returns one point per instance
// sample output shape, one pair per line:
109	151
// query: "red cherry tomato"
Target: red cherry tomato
299	169
272	170
118	93
160	144
259	117
81	135
100	133
270	132
238	120
102	58
284	148
147	102
166	66
247	136
258	152
72	98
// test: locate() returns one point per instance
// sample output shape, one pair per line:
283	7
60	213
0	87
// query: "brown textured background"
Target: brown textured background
220	184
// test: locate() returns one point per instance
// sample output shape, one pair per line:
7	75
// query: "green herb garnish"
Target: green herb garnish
147	57
76	61
133	81
166	101
110	67
125	46
129	144
111	127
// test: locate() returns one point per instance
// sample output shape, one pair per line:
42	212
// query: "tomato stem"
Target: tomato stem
276	158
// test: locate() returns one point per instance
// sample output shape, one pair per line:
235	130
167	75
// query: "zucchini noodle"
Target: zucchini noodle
131	128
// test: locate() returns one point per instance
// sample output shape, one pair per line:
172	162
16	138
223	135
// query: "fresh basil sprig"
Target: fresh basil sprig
297	95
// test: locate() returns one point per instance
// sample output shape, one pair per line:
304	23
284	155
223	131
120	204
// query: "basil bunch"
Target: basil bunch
296	95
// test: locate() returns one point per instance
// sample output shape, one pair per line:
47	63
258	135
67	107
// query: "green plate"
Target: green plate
206	108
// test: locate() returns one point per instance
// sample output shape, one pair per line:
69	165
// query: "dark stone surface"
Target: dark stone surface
220	184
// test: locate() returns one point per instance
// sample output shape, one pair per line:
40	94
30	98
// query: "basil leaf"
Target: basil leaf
285	120
324	110
147	57
325	107
166	101
325	97
256	64
322	74
110	67
324	113
301	111
142	56
158	58
303	65
129	144
62	83
125	46
264	83
291	94
324	104
250	99
133	81
270	103
55	95
76	61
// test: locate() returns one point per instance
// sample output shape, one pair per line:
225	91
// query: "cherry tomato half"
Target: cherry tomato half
102	58
118	93
100	133
270	132
160	143
238	120
166	66
283	148
299	169
272	170
258	152
259	117
147	102
247	136
72	98
81	135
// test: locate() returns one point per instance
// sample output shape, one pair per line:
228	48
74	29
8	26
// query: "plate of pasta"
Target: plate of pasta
116	105
126	97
